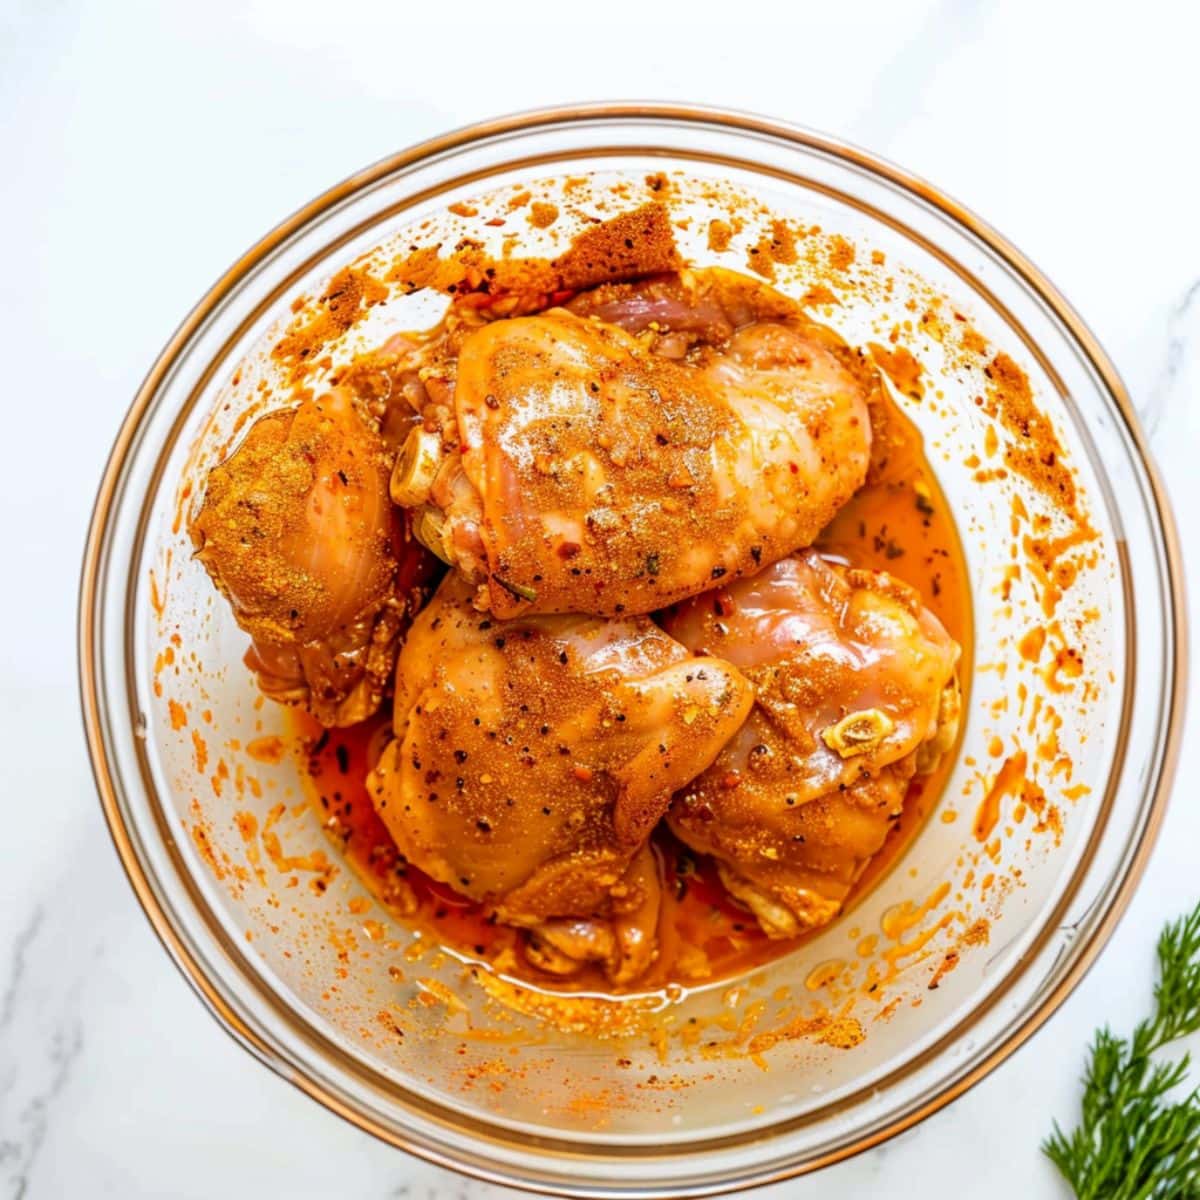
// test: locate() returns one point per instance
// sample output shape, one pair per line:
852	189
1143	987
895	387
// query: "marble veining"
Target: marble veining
15	972
1183	329
38	1055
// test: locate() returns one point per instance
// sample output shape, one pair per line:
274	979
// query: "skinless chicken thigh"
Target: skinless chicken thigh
855	692
297	531
621	454
532	759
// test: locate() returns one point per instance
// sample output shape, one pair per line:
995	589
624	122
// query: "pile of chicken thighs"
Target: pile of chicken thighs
632	628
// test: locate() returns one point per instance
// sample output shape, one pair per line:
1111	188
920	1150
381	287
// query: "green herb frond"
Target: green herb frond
1132	1141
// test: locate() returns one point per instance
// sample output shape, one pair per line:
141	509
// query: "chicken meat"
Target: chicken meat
622	453
856	690
532	759
298	533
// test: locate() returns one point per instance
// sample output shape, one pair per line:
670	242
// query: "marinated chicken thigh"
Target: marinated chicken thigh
855	692
635	644
298	533
621	454
532	759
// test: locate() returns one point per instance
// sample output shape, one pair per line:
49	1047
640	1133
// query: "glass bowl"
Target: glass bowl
958	954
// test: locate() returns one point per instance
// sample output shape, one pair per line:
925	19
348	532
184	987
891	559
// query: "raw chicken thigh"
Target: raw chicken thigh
855	692
298	533
622	454
532	759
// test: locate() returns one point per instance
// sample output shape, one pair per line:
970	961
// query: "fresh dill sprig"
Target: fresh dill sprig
1132	1141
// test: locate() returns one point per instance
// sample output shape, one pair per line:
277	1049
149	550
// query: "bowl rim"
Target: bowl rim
127	437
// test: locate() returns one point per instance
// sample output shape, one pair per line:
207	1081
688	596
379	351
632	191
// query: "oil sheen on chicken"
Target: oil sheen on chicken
532	759
622	453
855	692
298	533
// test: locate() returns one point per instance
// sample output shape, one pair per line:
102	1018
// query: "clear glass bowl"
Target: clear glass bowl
328	991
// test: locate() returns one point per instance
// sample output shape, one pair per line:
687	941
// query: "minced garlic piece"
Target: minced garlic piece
416	468
858	732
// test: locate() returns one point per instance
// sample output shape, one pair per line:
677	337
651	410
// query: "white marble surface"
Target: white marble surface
143	146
